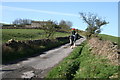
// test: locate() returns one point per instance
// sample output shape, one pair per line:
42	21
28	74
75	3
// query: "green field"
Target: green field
26	34
108	37
23	49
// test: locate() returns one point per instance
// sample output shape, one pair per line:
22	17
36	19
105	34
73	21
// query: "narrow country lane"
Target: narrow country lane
37	67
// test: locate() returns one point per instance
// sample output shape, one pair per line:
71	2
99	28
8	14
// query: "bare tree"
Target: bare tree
69	24
21	22
94	23
65	25
50	28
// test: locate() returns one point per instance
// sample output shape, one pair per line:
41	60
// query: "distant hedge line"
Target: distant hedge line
12	27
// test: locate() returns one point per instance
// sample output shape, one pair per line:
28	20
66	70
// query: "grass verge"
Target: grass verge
81	63
67	68
93	66
109	37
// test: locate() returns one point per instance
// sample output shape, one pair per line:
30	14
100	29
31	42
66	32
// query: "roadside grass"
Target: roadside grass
67	68
113	39
109	37
81	63
26	34
93	66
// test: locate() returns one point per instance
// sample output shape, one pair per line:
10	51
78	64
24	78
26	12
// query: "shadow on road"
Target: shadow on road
6	70
22	59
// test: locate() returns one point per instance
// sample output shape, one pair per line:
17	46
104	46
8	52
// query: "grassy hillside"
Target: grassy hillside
82	64
109	37
94	66
26	34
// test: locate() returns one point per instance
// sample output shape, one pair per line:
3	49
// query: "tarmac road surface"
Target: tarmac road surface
37	67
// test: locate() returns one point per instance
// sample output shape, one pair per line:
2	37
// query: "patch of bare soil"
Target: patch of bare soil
104	48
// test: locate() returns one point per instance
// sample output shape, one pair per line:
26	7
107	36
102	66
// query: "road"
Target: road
38	66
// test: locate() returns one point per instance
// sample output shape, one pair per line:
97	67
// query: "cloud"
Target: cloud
39	11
